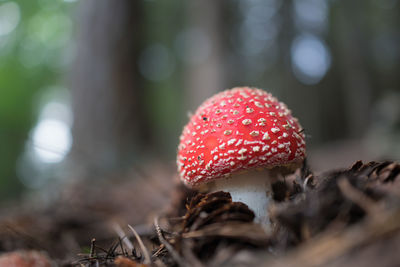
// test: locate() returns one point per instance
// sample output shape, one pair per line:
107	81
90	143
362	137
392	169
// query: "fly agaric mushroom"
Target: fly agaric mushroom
239	141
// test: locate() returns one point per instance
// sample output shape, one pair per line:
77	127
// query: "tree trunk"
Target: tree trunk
205	76
108	124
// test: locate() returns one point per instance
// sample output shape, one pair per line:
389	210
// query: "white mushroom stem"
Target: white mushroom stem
253	188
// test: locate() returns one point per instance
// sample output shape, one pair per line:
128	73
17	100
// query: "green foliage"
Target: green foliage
30	61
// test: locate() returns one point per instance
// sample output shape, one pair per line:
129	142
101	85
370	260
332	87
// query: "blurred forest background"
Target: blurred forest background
95	87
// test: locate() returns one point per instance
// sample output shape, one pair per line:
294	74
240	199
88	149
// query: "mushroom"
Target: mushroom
240	141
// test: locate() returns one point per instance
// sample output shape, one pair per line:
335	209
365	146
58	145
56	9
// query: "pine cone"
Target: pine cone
342	197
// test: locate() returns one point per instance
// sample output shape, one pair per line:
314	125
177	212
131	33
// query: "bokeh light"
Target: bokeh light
9	17
51	140
311	59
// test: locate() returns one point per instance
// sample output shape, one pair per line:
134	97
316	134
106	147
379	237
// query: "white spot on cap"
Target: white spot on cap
254	133
242	151
262	121
244	95
247	142
239	142
258	104
231	141
249	110
275	130
227	132
230	121
287	125
266	136
246	121
256	148
242	157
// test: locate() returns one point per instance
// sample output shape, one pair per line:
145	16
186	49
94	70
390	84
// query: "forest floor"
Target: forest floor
348	217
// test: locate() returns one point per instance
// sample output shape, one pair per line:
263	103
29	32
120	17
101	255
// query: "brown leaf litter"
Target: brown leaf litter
340	218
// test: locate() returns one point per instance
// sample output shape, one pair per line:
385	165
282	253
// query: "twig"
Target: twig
100	248
147	259
122	236
167	245
306	182
158	251
113	247
123	250
92	247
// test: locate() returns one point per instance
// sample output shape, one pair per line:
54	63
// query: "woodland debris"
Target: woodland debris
345	217
25	258
212	221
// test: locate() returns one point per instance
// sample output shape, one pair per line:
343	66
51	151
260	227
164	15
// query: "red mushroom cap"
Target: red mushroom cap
237	129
